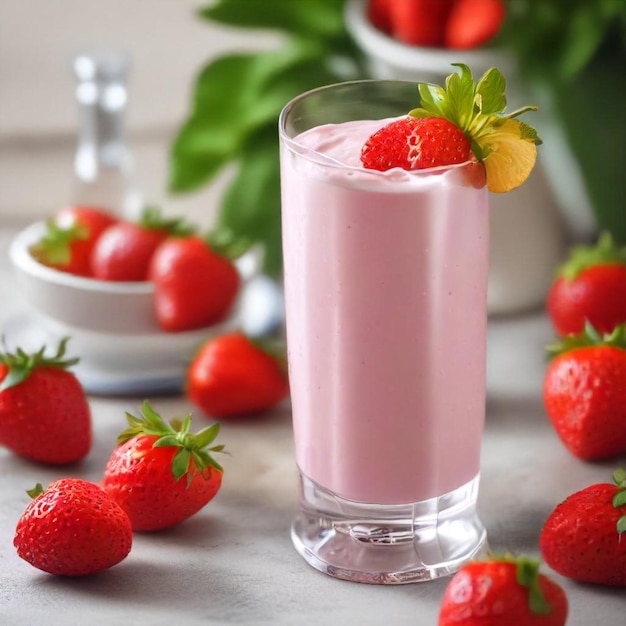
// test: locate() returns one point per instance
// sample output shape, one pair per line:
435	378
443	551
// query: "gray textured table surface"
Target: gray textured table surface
233	563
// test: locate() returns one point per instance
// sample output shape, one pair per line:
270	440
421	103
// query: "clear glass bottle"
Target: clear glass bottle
103	164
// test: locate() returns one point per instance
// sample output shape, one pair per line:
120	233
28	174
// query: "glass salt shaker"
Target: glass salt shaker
103	163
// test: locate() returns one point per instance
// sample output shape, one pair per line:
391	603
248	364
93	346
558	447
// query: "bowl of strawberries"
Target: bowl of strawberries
405	39
136	297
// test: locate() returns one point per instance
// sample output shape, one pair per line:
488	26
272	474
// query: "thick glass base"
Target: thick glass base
388	544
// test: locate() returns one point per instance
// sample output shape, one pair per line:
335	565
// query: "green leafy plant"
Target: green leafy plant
573	50
237	99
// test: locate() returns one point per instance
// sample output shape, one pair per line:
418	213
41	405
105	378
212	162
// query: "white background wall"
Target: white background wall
168	44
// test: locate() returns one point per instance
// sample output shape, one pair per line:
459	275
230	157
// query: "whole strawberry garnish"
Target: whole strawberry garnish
232	375
72	528
584	538
414	144
195	281
70	237
44	413
590	287
124	250
585	393
503	591
463	121
161	474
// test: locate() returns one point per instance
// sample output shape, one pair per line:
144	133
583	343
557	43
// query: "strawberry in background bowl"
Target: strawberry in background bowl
452	24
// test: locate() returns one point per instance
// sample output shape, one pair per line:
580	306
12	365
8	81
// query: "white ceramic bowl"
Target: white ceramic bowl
112	325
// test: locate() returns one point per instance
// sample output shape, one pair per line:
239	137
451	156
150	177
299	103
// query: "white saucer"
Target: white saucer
115	365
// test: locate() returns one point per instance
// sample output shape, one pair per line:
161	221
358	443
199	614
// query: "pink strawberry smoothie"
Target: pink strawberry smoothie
385	281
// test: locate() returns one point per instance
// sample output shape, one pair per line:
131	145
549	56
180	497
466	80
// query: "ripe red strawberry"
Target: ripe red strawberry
503	592
416	143
195	285
591	286
379	14
585	393
124	251
472	23
584	538
144	473
70	237
44	413
232	375
72	528
419	22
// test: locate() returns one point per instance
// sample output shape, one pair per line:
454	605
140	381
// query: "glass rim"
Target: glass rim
306	153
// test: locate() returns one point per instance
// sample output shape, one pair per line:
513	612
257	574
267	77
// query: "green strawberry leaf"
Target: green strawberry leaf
176	434
227	243
180	463
589	337
152	219
582	257
207	435
20	365
166	441
460	90
54	248
491	92
619	499
37	490
528	576
619	477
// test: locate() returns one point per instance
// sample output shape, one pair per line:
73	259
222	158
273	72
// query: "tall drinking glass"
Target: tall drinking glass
385	284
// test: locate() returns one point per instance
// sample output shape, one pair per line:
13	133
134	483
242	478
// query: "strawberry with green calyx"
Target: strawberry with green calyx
72	528
195	280
590	286
505	146
70	237
233	375
584	392
503	591
584	537
145	472
44	413
124	251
